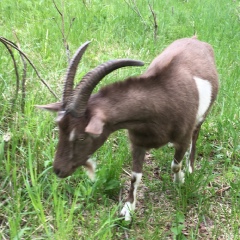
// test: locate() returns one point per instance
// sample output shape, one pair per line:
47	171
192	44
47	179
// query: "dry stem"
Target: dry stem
10	43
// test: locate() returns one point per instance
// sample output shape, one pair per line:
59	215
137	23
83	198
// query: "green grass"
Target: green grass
35	204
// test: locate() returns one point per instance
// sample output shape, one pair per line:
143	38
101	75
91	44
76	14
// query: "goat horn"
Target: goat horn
71	72
84	89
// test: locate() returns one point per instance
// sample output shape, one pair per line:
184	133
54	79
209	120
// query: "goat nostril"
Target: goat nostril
57	171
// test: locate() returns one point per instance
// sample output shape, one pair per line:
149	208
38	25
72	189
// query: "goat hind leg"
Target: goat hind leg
191	157
176	165
138	155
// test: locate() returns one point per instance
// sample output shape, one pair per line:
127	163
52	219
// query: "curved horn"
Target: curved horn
84	89
71	72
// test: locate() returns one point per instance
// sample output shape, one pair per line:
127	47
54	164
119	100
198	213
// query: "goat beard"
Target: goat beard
90	167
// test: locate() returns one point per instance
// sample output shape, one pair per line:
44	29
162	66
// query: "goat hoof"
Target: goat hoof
126	211
179	177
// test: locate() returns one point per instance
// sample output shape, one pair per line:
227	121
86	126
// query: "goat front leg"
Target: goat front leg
138	155
176	165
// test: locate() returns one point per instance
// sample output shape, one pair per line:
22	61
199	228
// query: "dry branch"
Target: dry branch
222	190
154	21
126	172
133	5
62	29
24	74
16	73
13	45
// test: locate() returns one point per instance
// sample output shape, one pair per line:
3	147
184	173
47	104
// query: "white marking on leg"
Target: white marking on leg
138	177
72	135
178	173
130	207
91	167
189	168
205	94
126	211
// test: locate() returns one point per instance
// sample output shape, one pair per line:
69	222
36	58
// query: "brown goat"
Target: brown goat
167	103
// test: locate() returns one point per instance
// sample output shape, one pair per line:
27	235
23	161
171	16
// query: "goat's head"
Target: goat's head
80	134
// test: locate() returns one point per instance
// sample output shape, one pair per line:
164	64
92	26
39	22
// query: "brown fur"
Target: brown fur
161	105
158	107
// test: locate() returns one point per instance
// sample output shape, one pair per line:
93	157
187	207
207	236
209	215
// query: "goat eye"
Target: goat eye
81	138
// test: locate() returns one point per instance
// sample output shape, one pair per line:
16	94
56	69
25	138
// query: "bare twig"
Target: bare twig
4	40
154	20
133	6
71	24
62	29
85	3
55	5
222	190
24	74
126	172
16	72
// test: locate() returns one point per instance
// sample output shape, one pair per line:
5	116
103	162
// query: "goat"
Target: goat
167	103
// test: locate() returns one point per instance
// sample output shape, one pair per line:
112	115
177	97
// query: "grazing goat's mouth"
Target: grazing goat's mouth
89	165
64	174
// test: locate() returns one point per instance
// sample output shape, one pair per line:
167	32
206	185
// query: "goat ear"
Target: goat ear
95	126
54	107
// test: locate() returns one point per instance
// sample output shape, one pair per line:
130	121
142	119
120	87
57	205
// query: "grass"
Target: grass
35	204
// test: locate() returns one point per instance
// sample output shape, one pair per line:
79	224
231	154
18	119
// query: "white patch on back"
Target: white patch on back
205	93
72	135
